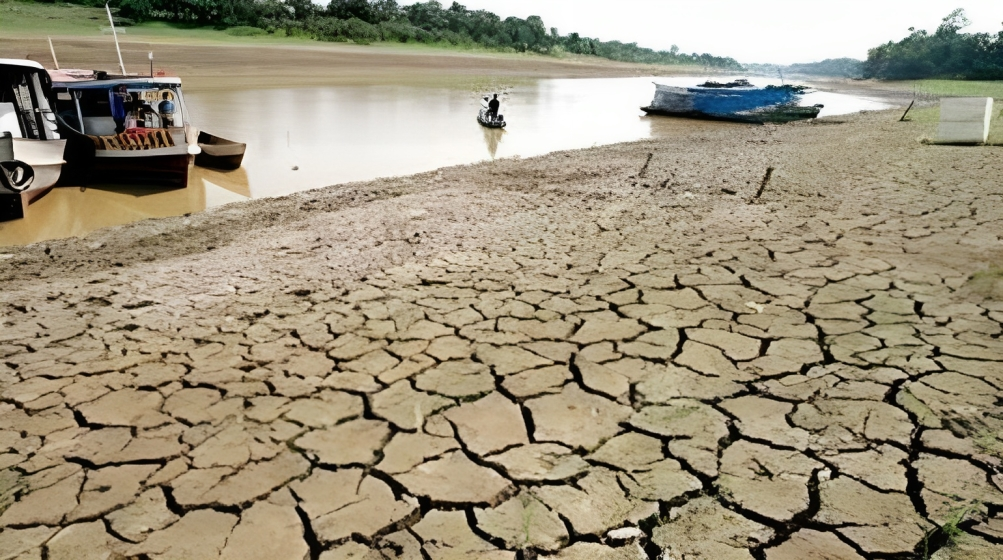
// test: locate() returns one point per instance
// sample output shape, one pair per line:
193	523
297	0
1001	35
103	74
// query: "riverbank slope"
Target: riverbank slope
769	331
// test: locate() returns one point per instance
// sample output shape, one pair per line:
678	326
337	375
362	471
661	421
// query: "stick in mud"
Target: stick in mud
644	169
907	110
762	186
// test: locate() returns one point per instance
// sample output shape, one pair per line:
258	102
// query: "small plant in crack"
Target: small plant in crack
949	532
989	441
528	511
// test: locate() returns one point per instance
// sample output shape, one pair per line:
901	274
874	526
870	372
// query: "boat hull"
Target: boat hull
45	157
482	118
158	167
761	116
738	104
11	206
158	170
219	153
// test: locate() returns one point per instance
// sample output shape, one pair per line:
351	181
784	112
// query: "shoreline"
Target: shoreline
227	223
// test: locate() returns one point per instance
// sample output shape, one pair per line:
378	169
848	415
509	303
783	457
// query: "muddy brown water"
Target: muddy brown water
305	138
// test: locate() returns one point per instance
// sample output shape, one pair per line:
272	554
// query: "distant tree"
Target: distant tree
946	53
302	9
385	10
954	22
371	20
347	9
835	67
427	15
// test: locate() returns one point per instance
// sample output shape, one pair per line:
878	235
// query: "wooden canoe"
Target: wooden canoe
219	153
485	120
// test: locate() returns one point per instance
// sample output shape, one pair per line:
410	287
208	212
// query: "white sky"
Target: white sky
776	31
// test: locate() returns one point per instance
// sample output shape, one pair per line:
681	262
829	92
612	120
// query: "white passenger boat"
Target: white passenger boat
26	114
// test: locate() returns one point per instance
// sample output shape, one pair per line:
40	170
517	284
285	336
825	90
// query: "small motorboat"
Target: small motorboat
486	120
219	153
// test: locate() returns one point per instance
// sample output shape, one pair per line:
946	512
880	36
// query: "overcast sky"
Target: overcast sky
777	31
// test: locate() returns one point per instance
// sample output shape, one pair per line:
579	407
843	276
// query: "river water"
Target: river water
306	138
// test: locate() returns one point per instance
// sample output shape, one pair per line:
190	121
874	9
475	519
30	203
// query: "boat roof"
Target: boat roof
21	62
88	79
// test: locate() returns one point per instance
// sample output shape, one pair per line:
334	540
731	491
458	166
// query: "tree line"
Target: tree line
367	21
830	67
945	53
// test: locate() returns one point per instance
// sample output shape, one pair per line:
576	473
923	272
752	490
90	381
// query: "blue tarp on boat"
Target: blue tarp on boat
728	101
747	104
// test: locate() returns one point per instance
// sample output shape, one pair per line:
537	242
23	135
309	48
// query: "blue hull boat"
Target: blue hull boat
728	102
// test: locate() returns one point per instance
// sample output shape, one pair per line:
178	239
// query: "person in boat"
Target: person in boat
493	107
166	110
117	98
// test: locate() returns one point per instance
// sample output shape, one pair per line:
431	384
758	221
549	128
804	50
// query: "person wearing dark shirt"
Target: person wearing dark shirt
493	107
117	98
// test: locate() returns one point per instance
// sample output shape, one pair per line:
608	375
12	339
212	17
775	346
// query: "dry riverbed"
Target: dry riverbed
616	353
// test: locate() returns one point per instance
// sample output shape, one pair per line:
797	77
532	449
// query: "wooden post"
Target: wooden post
115	35
53	51
907	110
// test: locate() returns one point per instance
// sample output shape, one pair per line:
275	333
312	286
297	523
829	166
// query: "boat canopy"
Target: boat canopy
21	62
83	101
92	83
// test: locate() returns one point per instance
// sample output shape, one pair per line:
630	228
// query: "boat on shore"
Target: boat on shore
219	153
735	101
32	138
123	129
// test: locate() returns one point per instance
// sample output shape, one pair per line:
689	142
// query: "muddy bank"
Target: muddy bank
765	331
702	169
221	66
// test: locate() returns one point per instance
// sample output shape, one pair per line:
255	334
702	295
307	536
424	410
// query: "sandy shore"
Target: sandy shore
605	353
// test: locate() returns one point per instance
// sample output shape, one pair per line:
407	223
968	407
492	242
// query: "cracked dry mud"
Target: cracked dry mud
559	357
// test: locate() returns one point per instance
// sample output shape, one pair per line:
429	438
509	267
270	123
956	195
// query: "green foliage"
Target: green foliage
830	67
946	53
366	21
837	67
949	532
246	31
397	31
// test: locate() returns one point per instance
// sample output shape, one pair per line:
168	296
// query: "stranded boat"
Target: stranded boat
734	101
132	130
219	153
123	129
28	126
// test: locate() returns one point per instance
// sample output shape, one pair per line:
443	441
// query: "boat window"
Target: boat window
22	89
93	103
95	106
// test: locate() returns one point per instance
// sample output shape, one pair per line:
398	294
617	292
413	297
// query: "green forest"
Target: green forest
367	21
946	53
